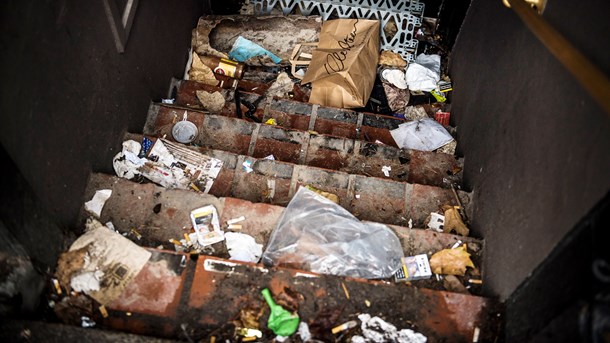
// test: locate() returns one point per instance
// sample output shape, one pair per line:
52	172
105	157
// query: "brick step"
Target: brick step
159	214
368	198
298	114
186	298
349	155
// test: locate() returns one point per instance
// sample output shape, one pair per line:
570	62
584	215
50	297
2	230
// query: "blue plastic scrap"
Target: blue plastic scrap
244	49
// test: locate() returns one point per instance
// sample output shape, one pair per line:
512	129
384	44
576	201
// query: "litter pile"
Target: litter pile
318	237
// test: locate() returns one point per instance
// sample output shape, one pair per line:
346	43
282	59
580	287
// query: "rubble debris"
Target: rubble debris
184	131
169	165
96	204
414	268
281	322
243	247
213	102
280	87
375	329
343	67
424	73
415	113
453	221
393	59
436	222
206	225
200	72
244	49
425	135
453	284
448	148
451	261
318	235
109	262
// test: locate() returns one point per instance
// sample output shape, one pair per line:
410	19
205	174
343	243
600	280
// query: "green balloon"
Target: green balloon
281	322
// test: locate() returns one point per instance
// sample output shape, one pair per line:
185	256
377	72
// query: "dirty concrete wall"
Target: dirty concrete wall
535	144
67	96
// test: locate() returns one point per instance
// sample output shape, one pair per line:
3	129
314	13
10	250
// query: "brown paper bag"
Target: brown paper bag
343	67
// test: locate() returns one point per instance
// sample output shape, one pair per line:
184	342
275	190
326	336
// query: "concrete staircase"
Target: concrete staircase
196	297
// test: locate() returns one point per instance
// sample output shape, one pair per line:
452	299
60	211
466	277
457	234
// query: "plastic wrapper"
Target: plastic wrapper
318	235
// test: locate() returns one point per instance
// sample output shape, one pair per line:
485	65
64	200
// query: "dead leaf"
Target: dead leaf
213	102
451	261
453	221
249	317
391	58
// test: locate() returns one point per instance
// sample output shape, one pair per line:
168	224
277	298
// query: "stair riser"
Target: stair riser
299	147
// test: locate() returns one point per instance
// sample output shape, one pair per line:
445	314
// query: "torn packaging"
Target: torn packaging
343	67
109	262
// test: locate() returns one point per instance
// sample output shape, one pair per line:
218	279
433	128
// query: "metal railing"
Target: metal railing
593	80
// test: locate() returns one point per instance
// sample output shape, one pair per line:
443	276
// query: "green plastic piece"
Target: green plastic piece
281	322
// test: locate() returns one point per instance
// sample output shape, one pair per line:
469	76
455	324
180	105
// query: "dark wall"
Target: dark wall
536	146
67	96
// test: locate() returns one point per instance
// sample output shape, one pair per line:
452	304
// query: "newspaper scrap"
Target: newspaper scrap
169	165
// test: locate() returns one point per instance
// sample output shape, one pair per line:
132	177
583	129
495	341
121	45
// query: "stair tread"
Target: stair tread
368	198
131	207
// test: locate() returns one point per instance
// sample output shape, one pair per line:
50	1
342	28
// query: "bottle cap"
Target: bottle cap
184	131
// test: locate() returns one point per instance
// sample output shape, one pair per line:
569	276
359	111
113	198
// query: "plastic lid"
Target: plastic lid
184	131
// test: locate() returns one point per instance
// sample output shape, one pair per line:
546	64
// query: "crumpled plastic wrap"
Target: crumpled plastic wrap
318	235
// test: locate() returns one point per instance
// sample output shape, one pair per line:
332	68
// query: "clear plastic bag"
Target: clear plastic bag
318	235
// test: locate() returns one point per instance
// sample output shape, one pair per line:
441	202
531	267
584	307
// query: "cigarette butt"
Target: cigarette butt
103	311
236	220
187	238
136	233
128	314
175	242
193	186
476	281
367	303
57	286
249	339
213	339
345	290
344	326
235	227
475	336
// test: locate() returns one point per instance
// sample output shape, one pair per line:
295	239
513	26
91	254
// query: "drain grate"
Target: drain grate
406	15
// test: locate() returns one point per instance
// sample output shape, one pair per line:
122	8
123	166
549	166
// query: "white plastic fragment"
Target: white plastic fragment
386	170
243	247
375	329
304	332
167	101
436	221
270	158
86	322
96	204
410	223
247	166
281	338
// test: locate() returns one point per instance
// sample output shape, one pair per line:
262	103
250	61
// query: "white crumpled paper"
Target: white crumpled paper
96	204
425	135
243	247
424	73
378	330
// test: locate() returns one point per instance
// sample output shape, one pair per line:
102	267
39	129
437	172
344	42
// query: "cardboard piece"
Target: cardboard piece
343	67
